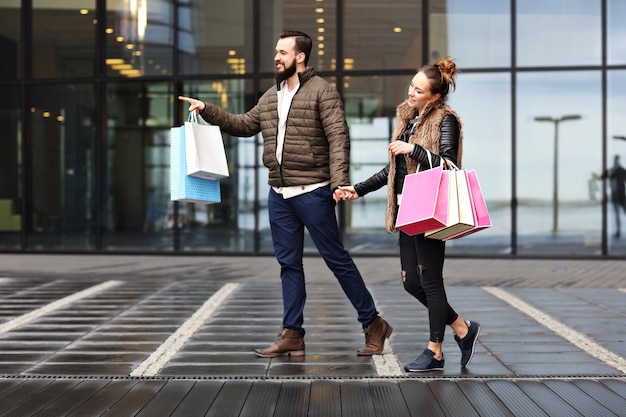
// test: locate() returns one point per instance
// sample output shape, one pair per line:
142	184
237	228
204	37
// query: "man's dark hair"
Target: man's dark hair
303	42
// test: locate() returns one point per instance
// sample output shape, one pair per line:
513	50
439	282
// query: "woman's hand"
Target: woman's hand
398	147
194	105
346	192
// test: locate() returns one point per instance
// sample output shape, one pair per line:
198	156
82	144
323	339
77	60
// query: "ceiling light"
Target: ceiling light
130	72
118	67
397	29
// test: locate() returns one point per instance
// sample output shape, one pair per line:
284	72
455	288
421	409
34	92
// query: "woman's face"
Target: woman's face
419	92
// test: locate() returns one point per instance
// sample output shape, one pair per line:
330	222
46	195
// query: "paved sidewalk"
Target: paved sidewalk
458	271
91	335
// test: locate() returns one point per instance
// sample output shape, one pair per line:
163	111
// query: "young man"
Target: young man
307	151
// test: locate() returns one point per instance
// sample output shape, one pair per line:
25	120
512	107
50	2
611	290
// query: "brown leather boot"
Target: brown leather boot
375	335
290	342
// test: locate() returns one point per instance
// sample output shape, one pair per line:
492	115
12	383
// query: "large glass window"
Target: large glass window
559	32
476	32
229	225
314	17
370	104
559	151
371	116
86	159
616	176
63	34
136	189
215	37
61	196
382	35
9	39
616	33
139	38
10	170
487	149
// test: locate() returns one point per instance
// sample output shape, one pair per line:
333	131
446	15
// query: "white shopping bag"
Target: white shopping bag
183	187
204	149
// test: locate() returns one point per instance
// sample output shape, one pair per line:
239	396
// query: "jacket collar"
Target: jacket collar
304	76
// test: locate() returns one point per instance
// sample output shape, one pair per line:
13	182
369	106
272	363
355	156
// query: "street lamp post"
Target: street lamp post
555	173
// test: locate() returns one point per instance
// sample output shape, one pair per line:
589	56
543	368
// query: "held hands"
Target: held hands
194	105
345	193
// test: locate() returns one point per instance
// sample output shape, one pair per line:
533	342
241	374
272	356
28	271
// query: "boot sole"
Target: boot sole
387	335
277	354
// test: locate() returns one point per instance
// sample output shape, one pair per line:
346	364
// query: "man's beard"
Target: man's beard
286	73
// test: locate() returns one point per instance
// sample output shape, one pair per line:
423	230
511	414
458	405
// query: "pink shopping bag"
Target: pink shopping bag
481	213
461	215
424	203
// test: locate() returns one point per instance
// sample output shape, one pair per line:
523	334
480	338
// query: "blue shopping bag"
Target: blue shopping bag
183	187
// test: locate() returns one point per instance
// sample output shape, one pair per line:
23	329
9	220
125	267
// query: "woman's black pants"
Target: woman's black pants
422	259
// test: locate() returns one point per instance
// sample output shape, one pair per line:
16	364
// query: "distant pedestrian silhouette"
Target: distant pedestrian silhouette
617	182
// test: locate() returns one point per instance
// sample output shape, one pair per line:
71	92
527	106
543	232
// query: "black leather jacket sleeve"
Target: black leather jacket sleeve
373	183
448	144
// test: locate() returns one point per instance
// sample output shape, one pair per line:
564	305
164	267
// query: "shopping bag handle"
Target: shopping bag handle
195	118
450	164
444	163
430	161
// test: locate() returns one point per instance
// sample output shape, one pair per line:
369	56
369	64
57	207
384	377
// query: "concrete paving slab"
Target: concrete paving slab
522	364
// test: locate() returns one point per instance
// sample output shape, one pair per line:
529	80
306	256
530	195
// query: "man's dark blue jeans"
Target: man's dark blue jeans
314	210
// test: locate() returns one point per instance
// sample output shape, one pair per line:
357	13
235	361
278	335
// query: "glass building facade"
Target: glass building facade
89	93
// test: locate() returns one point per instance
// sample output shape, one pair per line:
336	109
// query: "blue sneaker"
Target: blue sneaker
425	362
468	343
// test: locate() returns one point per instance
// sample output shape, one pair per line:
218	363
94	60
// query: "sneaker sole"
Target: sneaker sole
473	347
423	370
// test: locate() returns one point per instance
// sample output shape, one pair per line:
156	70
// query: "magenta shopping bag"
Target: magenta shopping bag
424	204
481	213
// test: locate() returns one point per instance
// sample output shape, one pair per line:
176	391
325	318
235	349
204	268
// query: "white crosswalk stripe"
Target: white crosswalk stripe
387	364
169	348
48	308
576	338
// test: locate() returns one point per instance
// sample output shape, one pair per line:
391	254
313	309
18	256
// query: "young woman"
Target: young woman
425	123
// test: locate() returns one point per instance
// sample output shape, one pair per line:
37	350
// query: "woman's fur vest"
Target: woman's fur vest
427	134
